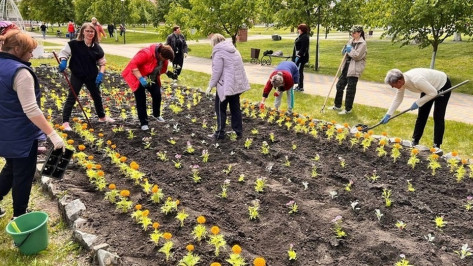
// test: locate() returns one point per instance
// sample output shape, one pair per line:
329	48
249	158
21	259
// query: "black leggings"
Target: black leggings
140	97
350	84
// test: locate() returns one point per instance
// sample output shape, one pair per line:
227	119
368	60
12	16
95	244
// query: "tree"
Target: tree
52	11
424	22
142	11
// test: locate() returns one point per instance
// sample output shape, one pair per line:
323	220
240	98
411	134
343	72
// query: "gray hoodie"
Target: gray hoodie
228	73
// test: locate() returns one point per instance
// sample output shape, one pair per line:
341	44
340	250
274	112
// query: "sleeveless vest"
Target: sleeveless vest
83	62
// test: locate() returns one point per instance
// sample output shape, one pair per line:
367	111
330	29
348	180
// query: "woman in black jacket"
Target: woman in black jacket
300	53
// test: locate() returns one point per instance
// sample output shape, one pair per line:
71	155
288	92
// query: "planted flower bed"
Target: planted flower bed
292	191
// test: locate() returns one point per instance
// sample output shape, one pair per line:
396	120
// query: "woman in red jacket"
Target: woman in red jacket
143	73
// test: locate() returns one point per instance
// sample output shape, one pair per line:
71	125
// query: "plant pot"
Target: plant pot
56	163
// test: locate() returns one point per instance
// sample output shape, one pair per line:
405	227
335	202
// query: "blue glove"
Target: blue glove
348	48
385	119
296	59
143	82
98	80
414	106
62	65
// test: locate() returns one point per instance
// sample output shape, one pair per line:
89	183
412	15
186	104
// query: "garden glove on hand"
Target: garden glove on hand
143	82
296	59
57	141
385	119
348	48
98	80
414	106
170	74
208	90
62	65
261	105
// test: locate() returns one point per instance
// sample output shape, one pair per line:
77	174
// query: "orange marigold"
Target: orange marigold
339	130
454	153
91	130
382	142
145	213
384	133
155	225
177	202
91	157
89	166
64	135
215	264
109	142
134	165
75	119
259	261
201	219
236	249
435	156
167	235
464	161
123	159
125	193
100	173
345	125
112	186
81	147
117	155
432	150
58	126
100	134
138	207
190	247
70	141
370	132
98	166
397	140
215	230
415	151
113	146
155	189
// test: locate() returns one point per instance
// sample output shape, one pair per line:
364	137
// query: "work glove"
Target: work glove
385	119
208	90
261	105
143	82
414	106
57	141
296	60
348	48
171	75
99	78
62	65
277	93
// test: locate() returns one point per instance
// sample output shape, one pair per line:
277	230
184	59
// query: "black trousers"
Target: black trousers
235	111
140	97
77	86
178	62
350	84
440	109
17	175
301	65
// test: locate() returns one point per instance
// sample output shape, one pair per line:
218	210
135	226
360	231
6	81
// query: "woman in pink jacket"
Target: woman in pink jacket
143	73
229	76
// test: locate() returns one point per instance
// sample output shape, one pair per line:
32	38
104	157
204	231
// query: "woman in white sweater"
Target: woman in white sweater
428	82
229	76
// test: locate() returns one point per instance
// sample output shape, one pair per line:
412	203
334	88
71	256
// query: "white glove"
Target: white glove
185	55
207	92
57	141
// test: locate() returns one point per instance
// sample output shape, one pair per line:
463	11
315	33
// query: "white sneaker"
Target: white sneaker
344	112
66	126
144	127
106	119
335	108
160	119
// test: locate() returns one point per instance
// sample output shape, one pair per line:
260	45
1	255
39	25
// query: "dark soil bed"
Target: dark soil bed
310	230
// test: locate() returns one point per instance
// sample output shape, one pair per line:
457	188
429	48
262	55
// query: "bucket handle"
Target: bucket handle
22	242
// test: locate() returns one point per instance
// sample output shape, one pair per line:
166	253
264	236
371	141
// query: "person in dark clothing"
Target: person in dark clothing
300	53
178	44
111	29
43	28
85	55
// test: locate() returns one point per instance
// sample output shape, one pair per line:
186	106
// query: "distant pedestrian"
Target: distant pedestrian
43	28
99	29
229	76
282	79
122	29
71	30
111	29
178	43
355	60
85	55
300	53
427	82
143	73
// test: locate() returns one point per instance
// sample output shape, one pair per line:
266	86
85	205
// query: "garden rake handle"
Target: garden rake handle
335	79
73	92
407	110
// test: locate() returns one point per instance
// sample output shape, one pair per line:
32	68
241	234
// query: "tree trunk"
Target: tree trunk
435	47
234	39
457	37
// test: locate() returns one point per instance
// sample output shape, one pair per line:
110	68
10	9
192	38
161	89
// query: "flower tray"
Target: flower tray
56	163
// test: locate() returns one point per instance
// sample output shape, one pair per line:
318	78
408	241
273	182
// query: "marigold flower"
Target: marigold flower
91	130
333	122
415	151
311	124
109	142
215	230
123	159
370	132
145	213
100	135
100	173
70	141
259	261
59	126
169	199
345	125
382	142
432	150
89	166
75	119
125	193
329	126
236	249
113	146
91	157
464	161
98	166
112	186
134	165
384	133
397	146
155	225
64	135
357	135
81	147
117	155
339	130
359	128
155	189
435	156
215	264
84	126
177	202
138	207
190	247
397	140
167	235
201	219
454	153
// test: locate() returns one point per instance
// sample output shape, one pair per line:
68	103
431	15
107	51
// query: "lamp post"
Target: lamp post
123	22
317	43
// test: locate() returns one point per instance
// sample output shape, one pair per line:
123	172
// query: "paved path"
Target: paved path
460	106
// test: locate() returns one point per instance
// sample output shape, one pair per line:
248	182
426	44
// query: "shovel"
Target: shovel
365	128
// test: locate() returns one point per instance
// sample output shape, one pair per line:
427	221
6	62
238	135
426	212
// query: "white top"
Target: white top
422	80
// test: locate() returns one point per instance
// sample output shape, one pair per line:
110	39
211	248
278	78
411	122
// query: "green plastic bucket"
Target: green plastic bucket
33	236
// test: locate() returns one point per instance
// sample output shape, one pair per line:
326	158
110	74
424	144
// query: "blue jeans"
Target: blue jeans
17	176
